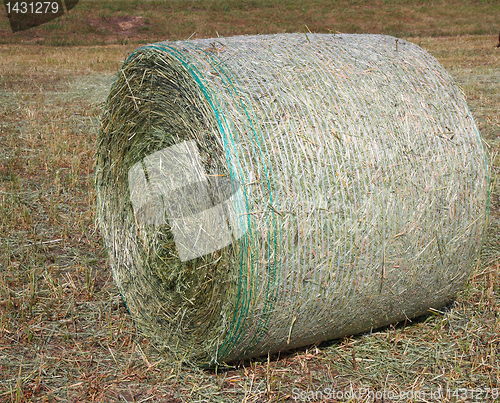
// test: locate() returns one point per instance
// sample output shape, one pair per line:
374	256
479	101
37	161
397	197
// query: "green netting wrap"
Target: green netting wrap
260	193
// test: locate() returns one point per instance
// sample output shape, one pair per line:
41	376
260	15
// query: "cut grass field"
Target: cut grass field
65	334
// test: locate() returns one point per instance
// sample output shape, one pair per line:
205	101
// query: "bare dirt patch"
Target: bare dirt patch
126	26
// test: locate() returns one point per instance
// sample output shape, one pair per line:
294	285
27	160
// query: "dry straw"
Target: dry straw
259	193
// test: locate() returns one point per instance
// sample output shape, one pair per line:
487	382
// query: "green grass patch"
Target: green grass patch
100	22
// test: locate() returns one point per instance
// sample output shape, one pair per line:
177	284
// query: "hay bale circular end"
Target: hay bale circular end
260	193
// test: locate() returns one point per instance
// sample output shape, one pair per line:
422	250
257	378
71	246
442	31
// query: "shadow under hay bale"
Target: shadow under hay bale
261	193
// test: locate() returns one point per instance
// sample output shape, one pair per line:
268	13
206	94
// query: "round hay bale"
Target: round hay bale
260	193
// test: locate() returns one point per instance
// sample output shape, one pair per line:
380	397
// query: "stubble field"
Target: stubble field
65	334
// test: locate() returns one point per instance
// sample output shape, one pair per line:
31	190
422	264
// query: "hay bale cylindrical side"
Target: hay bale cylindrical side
260	193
